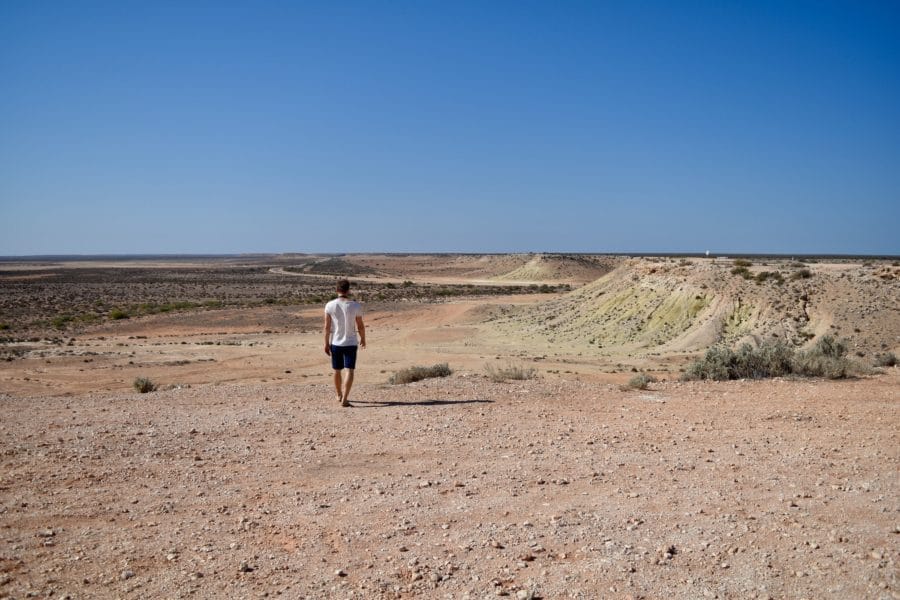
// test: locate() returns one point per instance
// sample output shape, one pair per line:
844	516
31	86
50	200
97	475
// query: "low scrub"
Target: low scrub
742	271
413	374
117	314
827	358
640	382
888	359
144	385
764	276
509	373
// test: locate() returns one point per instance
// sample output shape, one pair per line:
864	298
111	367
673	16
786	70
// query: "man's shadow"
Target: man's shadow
385	404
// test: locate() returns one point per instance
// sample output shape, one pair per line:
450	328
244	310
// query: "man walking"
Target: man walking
344	333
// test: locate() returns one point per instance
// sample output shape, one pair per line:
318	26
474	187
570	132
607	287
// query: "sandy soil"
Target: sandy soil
455	488
242	478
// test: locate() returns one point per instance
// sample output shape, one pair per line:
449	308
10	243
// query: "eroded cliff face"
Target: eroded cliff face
680	305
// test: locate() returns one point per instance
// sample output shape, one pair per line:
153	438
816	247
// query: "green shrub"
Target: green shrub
61	321
742	262
813	364
771	359
742	271
801	274
775	276
509	372
413	374
4	326
117	314
144	385
888	359
827	358
640	382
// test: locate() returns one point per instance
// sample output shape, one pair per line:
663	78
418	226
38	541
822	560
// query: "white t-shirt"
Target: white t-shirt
343	313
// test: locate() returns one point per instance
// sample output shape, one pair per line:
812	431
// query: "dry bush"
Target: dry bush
742	271
888	359
827	358
640	382
413	374
771	359
144	385
509	372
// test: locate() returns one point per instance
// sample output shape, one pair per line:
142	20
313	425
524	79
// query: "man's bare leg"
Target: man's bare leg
337	386
348	383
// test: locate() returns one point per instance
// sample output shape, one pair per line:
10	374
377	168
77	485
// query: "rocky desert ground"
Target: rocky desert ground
241	477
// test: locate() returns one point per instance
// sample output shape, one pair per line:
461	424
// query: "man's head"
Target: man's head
343	287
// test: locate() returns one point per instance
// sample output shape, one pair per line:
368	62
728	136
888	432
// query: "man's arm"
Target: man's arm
327	331
361	328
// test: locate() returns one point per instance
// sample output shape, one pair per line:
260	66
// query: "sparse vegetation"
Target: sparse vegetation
775	276
117	314
886	359
772	359
801	274
640	382
413	374
144	385
742	262
827	358
332	266
743	271
509	373
61	321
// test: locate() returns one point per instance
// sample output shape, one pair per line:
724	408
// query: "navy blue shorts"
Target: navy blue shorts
343	357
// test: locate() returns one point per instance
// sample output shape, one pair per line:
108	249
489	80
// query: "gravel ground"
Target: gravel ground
455	488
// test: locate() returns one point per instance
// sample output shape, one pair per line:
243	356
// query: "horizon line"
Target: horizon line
213	255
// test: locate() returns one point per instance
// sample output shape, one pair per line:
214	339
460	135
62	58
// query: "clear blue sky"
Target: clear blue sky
633	126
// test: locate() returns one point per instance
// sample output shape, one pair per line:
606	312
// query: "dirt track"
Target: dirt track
456	488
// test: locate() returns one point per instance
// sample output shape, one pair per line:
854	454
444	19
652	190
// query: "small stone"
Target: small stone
244	567
126	574
45	533
525	595
340	573
496	544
